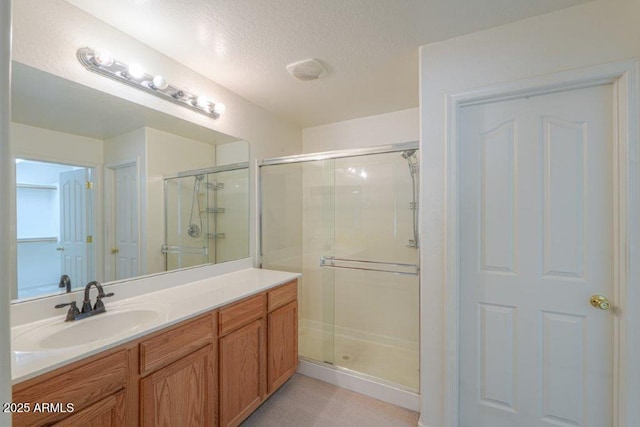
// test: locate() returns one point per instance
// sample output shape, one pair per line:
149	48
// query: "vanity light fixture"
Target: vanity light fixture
100	61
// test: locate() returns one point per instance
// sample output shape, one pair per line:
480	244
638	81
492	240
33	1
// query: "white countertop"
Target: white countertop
176	304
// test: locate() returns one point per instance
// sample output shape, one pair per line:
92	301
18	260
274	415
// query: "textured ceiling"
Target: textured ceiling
371	46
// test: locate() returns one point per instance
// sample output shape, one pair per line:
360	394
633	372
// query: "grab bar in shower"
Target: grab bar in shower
176	249
406	269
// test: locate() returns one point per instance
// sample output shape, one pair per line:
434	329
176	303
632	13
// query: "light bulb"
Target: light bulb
135	71
219	108
160	83
102	57
203	102
363	174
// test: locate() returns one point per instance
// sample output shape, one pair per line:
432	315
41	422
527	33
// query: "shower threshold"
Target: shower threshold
368	385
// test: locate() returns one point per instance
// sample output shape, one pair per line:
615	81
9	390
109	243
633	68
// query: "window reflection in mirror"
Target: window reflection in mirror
128	152
54	227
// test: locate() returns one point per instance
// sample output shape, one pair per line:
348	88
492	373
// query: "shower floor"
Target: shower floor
388	362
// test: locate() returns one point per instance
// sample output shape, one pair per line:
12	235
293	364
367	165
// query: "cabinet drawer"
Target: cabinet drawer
241	313
282	295
172	345
81	387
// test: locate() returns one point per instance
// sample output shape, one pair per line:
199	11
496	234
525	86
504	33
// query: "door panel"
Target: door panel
126	223
75	226
536	242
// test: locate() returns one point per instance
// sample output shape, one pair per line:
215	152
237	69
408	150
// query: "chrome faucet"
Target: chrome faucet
87	310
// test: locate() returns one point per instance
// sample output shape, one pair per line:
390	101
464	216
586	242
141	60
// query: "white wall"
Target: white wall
593	33
381	129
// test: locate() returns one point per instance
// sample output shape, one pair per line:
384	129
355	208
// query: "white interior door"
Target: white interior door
126	251
74	225
536	239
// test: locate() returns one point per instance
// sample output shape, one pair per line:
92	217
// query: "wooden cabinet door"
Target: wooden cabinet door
108	412
242	372
181	394
282	356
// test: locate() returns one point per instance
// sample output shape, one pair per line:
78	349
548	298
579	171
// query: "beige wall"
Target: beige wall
593	33
51	146
381	129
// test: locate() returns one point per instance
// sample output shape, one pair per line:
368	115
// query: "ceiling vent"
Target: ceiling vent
308	69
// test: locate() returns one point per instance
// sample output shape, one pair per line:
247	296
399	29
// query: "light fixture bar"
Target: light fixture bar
101	62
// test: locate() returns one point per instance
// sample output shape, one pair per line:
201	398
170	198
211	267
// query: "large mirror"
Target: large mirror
108	190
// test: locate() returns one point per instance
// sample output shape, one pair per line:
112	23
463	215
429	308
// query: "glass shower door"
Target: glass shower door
348	224
373	265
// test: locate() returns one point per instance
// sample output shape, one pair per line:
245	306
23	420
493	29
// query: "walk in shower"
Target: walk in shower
348	221
206	216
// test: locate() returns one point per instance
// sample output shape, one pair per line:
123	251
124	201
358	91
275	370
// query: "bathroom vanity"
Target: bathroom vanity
214	366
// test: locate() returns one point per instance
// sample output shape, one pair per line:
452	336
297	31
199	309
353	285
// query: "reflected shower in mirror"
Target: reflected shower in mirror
92	192
205	213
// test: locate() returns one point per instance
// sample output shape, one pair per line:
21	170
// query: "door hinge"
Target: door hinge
89	185
89	239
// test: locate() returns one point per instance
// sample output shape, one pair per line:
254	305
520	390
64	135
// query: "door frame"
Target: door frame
625	78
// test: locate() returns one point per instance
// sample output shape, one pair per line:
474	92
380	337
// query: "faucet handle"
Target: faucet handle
99	304
73	310
72	303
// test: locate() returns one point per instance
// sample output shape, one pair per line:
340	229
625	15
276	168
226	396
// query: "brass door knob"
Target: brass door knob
598	301
115	250
60	248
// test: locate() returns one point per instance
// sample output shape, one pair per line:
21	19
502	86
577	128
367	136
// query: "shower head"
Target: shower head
407	153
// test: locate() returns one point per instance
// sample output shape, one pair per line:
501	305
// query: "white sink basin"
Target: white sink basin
62	335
